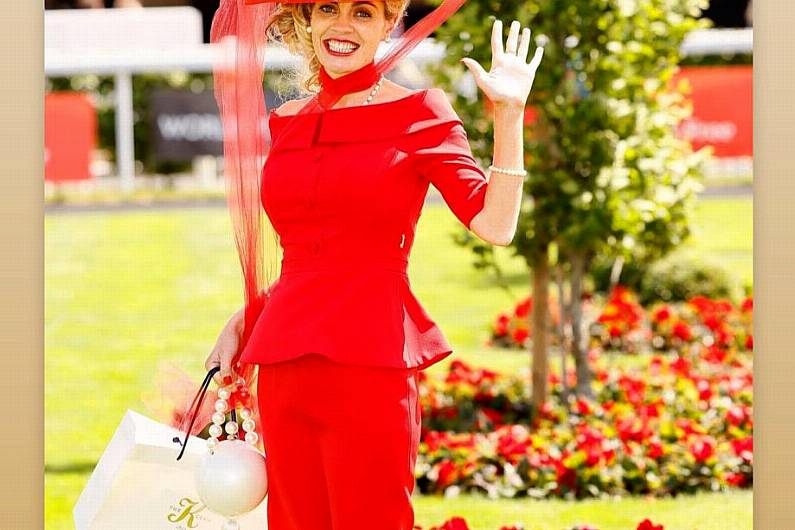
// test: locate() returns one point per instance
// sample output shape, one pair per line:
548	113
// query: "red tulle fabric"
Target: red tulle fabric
238	29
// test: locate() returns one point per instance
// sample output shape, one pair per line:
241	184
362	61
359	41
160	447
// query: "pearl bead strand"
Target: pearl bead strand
220	425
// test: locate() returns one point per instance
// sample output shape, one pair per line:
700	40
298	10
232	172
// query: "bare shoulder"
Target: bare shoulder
292	106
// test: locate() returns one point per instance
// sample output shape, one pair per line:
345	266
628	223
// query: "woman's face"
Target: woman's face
346	35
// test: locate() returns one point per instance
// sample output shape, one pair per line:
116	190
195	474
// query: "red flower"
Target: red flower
681	366
749	342
632	428
687	425
704	389
634	388
662	314
652	410
682	331
513	443
621	313
735	415
501	326
735	479
523	308
655	450
456	523
458	364
702	448
715	354
744	448
583	407
747	305
646	524
656	363
494	416
520	335
447	474
565	476
450	412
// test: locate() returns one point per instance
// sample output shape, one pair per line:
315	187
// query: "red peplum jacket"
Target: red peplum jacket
344	190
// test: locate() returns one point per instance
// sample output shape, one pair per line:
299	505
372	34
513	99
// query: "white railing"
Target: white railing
125	41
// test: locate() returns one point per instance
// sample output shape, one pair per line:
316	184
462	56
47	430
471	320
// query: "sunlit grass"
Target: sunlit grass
126	290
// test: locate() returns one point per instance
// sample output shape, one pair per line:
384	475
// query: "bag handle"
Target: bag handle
196	407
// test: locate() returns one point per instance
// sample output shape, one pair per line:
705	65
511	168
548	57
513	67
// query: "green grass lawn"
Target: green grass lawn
126	290
704	511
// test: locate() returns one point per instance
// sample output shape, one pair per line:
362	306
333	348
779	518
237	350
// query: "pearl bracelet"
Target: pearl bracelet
512	172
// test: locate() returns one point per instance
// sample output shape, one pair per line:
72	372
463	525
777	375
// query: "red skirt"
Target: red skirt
340	444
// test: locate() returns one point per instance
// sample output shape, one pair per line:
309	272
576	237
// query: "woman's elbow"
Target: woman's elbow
499	240
481	228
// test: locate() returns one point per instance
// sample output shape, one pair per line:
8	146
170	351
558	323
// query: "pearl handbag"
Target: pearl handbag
231	478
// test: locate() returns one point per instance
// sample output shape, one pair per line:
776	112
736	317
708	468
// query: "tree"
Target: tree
608	176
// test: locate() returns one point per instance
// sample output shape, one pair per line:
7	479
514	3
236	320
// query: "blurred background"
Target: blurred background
636	229
129	103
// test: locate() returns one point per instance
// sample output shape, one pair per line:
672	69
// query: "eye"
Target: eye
364	13
327	8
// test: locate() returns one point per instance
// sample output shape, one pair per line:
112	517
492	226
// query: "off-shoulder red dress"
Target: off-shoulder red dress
344	189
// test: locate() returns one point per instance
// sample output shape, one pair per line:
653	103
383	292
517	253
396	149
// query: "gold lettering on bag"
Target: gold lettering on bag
186	511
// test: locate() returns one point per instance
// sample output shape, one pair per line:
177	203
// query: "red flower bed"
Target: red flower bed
513	329
682	423
622	324
459	523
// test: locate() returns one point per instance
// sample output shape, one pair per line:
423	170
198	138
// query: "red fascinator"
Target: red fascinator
239	28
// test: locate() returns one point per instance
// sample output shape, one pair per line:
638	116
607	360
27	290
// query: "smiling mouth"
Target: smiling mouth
340	47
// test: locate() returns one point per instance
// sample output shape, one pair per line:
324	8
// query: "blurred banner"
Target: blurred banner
723	113
185	124
70	136
723	109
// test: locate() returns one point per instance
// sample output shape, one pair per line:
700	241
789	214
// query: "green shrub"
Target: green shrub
680	279
673	279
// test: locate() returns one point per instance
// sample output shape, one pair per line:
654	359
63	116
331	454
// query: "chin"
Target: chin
341	67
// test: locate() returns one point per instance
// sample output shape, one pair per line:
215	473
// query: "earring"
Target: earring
309	29
388	38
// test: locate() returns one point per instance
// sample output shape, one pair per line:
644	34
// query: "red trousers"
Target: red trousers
340	444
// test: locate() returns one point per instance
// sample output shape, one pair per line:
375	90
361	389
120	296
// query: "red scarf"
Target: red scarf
333	89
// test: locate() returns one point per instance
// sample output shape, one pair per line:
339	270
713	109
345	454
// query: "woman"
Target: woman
341	339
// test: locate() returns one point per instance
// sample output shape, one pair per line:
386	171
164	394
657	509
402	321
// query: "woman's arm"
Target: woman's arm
497	221
507	85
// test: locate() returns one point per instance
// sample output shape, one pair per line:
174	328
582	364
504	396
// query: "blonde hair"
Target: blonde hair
289	23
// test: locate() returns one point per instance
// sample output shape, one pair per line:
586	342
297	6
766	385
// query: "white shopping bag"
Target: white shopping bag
138	484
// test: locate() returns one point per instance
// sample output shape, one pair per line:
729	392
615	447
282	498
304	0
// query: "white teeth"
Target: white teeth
341	47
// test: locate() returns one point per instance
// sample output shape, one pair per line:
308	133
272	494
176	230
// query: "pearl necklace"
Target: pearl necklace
374	91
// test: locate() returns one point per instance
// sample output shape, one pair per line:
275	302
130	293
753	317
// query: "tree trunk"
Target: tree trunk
539	327
579	349
564	342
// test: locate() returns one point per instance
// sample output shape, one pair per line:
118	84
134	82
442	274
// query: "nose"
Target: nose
344	19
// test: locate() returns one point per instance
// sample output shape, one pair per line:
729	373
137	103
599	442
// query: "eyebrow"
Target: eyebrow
355	3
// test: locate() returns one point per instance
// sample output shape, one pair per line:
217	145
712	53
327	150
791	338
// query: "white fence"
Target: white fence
125	41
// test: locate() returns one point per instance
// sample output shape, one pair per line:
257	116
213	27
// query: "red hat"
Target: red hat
238	87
